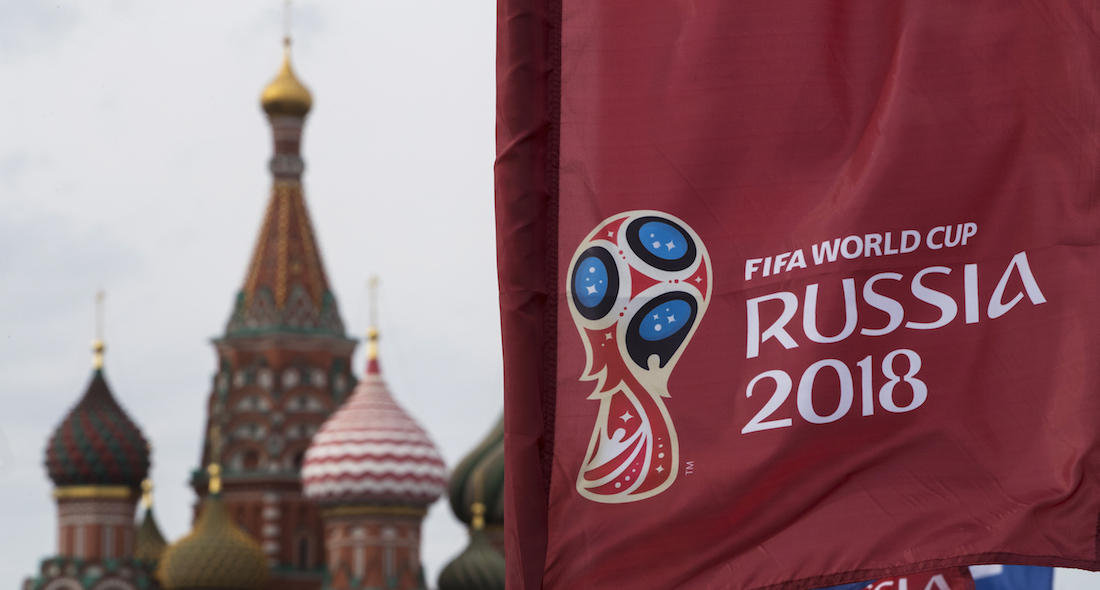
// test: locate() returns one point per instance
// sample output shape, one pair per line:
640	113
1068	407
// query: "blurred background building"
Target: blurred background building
309	477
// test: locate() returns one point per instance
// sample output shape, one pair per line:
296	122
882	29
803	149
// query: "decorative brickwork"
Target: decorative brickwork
70	573
370	549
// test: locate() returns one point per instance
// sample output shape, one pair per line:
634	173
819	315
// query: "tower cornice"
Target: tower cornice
337	345
93	492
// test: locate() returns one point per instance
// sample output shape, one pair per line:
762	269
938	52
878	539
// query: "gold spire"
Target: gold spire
97	345
372	346
215	469
372	331
97	353
477	509
478	522
215	472
285	96
147	494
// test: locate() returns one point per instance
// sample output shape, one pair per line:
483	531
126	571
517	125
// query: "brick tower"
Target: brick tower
283	364
97	459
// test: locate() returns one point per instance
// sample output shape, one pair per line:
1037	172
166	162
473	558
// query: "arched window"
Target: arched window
114	584
359	535
78	541
303	554
389	555
108	551
64	584
303	550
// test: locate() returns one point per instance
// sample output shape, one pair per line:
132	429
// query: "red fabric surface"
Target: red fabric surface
524	241
956	578
765	129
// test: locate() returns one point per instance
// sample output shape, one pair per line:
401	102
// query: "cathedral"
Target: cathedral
310	477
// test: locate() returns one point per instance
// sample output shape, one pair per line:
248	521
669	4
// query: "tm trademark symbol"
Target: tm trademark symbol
689	468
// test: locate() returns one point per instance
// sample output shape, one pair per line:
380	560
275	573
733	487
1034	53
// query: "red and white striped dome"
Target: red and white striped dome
371	451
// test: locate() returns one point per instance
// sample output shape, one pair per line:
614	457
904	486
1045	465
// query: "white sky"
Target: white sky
133	158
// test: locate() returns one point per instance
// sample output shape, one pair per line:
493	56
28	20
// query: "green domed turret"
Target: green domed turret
484	468
477	498
479	567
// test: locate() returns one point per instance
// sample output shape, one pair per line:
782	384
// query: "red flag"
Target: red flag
956	578
796	294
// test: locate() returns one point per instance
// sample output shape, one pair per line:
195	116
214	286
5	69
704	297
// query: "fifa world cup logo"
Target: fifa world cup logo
638	286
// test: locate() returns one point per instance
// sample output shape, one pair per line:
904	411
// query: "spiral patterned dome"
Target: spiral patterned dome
371	452
97	443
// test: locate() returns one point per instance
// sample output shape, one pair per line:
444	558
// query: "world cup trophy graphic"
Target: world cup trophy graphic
638	286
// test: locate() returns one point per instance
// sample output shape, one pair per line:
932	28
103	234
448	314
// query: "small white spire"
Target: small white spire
98	345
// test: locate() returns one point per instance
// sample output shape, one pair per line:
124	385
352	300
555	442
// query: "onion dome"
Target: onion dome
216	554
150	544
371	452
479	567
97	443
285	96
479	478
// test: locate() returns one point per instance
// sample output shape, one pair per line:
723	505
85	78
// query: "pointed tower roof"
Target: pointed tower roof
371	451
97	443
285	288
150	543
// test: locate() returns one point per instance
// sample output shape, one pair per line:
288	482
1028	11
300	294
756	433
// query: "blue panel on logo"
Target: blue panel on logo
665	320
591	282
1013	577
663	240
849	586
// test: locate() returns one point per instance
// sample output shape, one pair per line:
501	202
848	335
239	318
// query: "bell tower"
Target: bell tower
283	363
97	459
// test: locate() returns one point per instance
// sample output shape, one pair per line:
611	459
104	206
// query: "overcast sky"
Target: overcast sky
133	158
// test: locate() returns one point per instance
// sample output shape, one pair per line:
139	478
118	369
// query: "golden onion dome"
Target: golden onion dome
285	96
215	555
